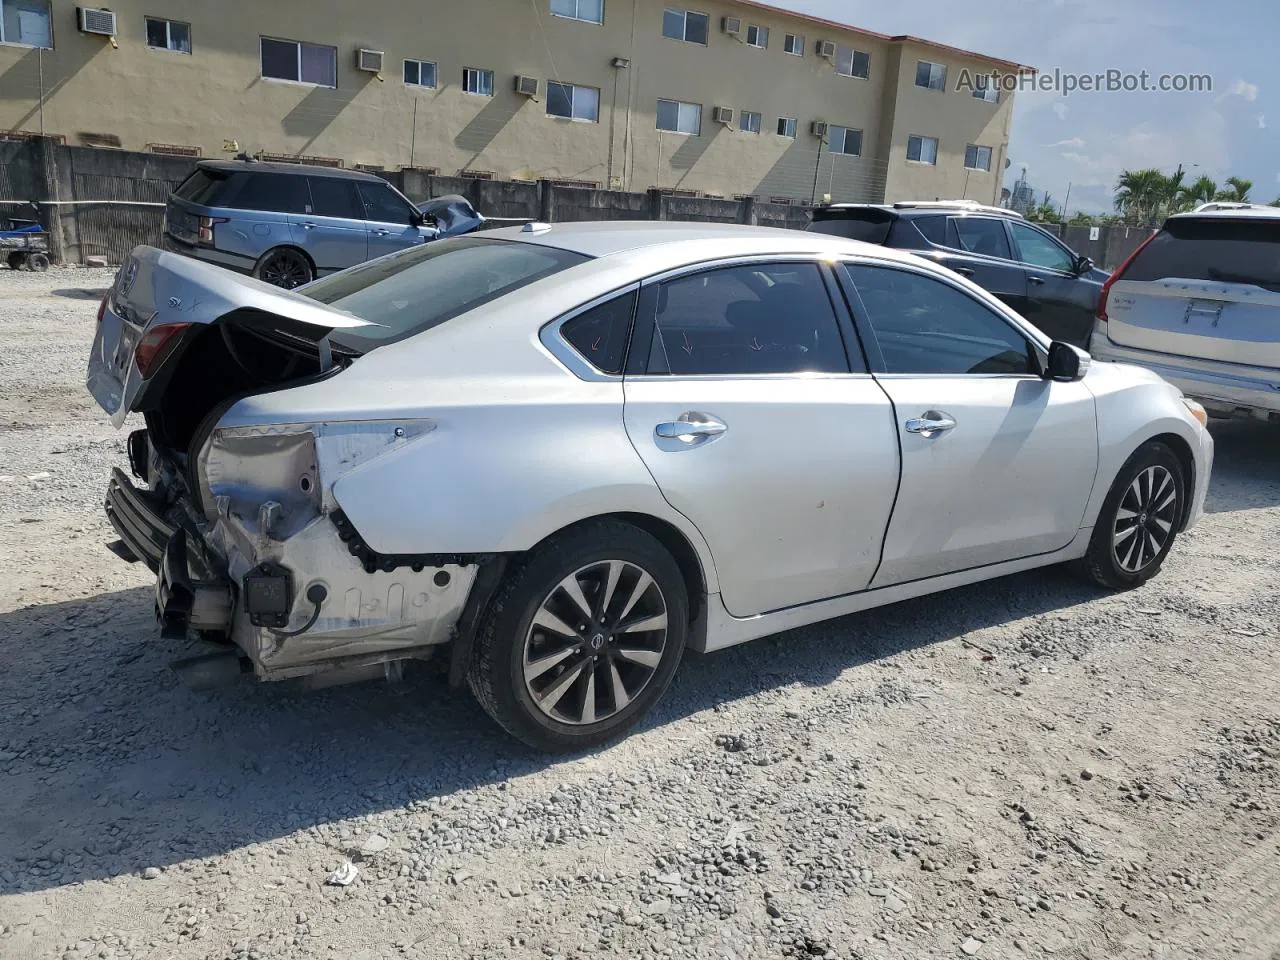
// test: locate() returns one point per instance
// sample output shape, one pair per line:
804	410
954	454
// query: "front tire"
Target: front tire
582	638
284	267
1139	520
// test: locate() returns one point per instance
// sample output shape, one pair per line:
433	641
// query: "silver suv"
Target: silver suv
1199	303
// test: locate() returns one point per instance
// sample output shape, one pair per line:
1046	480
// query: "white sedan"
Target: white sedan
565	453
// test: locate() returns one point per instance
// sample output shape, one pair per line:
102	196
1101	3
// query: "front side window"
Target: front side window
383	205
983	235
600	334
757	36
419	73
750	122
573	102
756	319
925	326
680	117
1040	250
590	11
332	197
685	25
311	63
793	44
27	23
477	82
787	127
922	150
853	63
846	141
932	76
171	35
977	158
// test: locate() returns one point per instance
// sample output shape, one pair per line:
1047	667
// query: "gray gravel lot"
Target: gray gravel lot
1023	768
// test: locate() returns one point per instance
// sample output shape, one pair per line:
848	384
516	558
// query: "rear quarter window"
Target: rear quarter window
870	226
202	187
1220	250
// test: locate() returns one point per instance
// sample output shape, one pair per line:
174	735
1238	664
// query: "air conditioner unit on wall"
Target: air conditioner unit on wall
527	86
826	49
370	61
722	115
93	20
818	128
731	25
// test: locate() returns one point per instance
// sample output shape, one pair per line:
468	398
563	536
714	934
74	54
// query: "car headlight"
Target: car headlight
1196	411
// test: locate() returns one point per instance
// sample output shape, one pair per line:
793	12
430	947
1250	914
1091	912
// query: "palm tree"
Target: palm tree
1140	193
1202	191
1047	211
1239	192
1171	192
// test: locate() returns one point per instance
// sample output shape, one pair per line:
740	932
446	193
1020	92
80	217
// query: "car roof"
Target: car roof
1230	213
295	169
909	208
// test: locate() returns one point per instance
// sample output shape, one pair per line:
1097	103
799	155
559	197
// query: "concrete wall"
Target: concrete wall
86	89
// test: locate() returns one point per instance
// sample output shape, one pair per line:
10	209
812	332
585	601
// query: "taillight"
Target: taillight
1106	287
102	308
205	232
156	345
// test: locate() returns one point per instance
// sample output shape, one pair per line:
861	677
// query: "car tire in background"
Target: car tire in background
284	267
1139	520
582	637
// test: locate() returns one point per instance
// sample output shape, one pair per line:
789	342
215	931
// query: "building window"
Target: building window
846	141
685	25
931	75
573	103
787	127
589	11
680	117
310	63
170	35
420	73
750	122
853	63
479	82
794	45
923	150
977	158
757	36
984	89
27	23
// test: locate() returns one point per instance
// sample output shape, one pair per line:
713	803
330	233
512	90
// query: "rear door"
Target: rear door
741	401
1204	287
332	230
1059	301
978	248
390	220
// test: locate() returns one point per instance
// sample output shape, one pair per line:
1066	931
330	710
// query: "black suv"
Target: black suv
1028	268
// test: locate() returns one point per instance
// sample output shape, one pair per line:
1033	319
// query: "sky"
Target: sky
1086	139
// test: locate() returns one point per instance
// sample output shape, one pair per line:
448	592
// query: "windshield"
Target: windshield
1221	250
427	285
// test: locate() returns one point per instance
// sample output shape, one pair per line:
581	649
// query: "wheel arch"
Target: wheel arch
293	247
1182	450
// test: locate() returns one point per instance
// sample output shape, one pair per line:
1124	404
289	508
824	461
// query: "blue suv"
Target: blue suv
288	224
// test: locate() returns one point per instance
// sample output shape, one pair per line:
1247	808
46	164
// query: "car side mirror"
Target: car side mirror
1067	364
1083	265
416	219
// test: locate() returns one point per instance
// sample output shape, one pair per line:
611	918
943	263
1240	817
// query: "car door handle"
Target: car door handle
691	428
381	233
1036	281
308	226
931	424
963	271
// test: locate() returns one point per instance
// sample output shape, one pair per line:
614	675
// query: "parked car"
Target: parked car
1199	303
1028	268
569	452
288	223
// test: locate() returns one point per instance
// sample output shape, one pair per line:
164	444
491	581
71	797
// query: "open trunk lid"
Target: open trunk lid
1204	287
162	302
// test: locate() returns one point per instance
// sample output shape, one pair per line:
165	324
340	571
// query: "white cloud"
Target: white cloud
1075	143
1243	89
1262	121
1061	110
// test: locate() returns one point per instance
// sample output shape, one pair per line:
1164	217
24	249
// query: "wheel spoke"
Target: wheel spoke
555	693
1123	535
645	658
1164	504
657	622
1123	514
589	699
535	669
610	585
549	621
1164	525
1134	548
1135	489
1165	482
642	584
573	588
620	696
1154	544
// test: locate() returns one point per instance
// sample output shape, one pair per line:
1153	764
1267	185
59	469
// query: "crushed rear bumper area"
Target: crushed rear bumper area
136	517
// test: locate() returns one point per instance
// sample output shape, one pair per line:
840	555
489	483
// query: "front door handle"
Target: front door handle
1036	281
691	428
932	424
964	271
381	233
308	226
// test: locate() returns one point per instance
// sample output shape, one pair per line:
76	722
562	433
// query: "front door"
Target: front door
1059	301
997	462
389	219
746	412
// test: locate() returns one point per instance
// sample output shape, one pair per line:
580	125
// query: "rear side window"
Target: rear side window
982	235
272	192
331	197
429	284
869	226
202	187
601	333
1220	250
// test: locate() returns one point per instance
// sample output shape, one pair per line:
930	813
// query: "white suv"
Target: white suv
1199	303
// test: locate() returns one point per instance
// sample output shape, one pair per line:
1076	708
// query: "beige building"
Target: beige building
726	98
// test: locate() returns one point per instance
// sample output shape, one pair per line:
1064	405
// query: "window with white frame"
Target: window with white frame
420	73
680	117
477	81
685	25
573	102
300	62
793	44
984	89
171	35
977	158
931	75
757	36
922	150
853	63
27	23
787	127
749	122
845	140
589	11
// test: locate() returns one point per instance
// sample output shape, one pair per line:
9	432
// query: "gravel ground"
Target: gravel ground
1023	768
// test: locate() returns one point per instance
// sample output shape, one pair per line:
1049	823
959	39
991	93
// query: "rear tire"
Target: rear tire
37	263
284	267
562	677
15	260
1139	520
